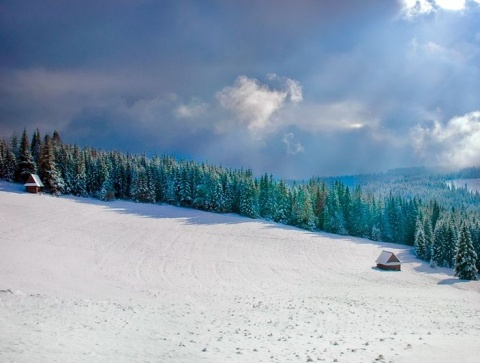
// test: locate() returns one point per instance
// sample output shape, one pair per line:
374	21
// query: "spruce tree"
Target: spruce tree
25	165
420	241
427	227
36	147
248	197
450	243
439	244
48	170
466	258
3	159
283	207
107	192
9	163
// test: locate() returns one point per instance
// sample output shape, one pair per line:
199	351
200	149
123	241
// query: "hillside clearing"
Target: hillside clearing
83	280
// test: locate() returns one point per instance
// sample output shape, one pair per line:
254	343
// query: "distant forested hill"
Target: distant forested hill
410	206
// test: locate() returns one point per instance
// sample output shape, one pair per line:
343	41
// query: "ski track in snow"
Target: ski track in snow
87	281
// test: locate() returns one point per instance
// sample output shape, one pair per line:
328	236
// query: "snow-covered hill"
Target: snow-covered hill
87	281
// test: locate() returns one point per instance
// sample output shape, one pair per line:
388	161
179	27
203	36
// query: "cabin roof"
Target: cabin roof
34	181
388	258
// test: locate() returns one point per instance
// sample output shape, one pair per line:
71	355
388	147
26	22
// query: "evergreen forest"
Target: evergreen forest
416	207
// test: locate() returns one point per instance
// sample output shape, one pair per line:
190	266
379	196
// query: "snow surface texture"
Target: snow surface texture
87	281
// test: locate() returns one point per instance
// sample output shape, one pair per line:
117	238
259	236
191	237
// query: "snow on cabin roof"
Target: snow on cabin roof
388	258
34	181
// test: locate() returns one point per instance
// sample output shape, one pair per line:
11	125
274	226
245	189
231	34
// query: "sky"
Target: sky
290	88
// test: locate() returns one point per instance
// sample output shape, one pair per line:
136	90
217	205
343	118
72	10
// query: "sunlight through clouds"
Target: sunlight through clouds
455	144
451	4
255	104
413	8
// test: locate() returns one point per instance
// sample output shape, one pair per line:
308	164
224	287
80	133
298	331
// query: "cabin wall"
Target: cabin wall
389	267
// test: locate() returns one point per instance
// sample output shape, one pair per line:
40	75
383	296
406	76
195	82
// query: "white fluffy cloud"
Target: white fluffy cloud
457	143
413	8
451	4
255	105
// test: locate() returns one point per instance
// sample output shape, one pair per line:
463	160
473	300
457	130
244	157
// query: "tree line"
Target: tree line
436	230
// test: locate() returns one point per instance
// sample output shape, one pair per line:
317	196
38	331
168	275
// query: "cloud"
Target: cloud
293	148
292	88
457	143
337	116
451	4
192	110
255	105
413	8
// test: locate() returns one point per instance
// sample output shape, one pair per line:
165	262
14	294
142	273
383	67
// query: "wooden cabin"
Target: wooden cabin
34	184
388	261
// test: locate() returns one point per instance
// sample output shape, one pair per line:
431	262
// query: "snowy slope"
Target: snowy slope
87	281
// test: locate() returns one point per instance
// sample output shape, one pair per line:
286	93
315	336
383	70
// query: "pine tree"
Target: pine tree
9	162
282	200
476	241
3	159
107	192
25	165
466	258
420	241
36	147
248	197
427	227
48	170
319	205
450	243
334	220
141	188
266	200
79	182
439	244
303	209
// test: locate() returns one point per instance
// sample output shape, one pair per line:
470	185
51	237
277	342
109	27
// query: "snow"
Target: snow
89	281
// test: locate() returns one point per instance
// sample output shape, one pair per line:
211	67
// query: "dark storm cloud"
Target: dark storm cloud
295	88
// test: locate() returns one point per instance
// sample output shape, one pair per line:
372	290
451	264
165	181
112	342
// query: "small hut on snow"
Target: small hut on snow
388	261
33	184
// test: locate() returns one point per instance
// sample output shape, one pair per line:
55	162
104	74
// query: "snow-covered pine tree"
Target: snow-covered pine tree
36	146
63	161
420	243
303	208
451	243
358	215
476	241
439	237
141	188
3	159
9	164
266	198
376	233
334	220
320	202
283	207
466	258
25	165
248	197
427	227
107	192
48	170
79	183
